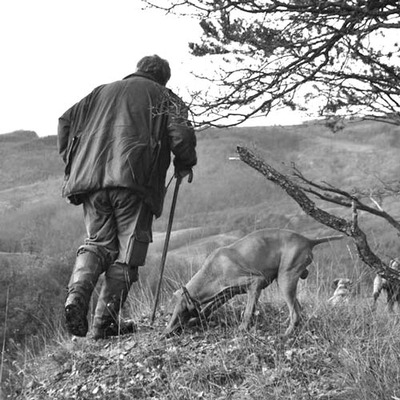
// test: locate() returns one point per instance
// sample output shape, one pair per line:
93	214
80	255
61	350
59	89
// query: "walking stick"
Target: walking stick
166	243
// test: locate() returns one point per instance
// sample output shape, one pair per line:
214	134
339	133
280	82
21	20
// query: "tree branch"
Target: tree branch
269	52
343	198
349	228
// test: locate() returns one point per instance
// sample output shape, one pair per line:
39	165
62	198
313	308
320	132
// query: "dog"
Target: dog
247	265
341	295
392	290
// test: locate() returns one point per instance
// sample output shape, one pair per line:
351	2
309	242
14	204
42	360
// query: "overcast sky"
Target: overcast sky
54	52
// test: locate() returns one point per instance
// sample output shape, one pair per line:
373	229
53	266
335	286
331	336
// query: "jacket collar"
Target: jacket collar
140	74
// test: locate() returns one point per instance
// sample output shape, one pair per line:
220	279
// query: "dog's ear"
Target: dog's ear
335	283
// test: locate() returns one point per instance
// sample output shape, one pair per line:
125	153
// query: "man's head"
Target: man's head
156	67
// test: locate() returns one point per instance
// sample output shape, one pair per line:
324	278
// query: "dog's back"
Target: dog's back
253	252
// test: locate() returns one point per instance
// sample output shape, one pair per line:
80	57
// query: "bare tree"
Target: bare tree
330	58
333	59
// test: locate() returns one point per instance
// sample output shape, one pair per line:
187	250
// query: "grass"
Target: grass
336	354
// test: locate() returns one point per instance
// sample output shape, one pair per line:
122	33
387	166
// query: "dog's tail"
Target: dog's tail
315	242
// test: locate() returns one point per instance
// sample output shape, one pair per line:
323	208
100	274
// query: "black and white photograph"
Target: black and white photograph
200	200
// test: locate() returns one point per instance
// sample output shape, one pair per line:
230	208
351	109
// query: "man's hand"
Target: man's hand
184	172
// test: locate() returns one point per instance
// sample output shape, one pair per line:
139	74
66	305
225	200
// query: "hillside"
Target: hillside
27	159
40	233
31	170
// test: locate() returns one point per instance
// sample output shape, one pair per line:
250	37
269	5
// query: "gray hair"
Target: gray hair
156	67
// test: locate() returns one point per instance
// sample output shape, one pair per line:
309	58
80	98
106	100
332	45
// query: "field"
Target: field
336	354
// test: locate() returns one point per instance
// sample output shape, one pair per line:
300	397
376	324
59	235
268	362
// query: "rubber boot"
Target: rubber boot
113	294
86	272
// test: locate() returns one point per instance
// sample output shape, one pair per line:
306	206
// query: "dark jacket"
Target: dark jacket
122	135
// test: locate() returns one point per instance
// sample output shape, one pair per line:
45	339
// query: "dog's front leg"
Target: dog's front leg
253	294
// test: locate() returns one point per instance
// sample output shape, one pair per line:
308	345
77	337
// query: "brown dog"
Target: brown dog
247	265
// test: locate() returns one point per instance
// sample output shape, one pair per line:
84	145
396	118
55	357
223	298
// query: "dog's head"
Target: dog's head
342	283
183	310
342	291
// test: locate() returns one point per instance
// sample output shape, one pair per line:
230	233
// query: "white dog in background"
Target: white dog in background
392	290
341	294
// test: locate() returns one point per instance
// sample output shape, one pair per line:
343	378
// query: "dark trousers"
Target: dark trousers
118	225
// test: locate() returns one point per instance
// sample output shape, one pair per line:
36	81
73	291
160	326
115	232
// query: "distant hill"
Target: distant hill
225	194
27	159
18	136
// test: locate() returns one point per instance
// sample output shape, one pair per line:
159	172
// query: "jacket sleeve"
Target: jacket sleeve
181	134
64	128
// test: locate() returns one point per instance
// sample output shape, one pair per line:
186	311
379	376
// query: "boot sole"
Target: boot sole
76	320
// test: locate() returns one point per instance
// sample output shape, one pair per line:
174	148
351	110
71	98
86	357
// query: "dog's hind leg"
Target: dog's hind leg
288	287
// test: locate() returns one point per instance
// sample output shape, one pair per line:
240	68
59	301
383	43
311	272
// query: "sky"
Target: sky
54	52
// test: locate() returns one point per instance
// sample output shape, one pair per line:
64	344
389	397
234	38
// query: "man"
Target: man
116	144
